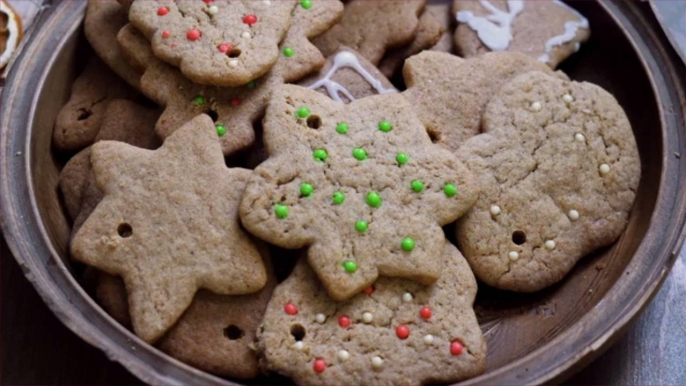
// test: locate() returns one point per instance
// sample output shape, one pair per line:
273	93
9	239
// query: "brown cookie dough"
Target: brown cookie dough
168	224
361	184
72	180
449	93
372	27
234	110
397	333
347	76
549	31
221	43
444	13
559	169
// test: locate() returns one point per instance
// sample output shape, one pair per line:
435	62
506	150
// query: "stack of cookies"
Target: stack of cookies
209	136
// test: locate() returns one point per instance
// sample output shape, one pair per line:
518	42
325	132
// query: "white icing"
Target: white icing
335	89
495	29
571	27
13	39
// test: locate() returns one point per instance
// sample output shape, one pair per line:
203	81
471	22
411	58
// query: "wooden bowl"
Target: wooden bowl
536	338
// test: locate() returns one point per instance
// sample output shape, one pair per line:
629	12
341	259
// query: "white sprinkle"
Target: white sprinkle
604	169
568	98
267	2
233	63
579	137
367	317
246	35
377	362
428	339
550	244
407	297
573	214
298	345
213	10
513	255
536	106
343	355
320	318
495	210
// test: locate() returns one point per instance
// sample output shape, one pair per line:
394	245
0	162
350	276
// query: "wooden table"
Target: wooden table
37	349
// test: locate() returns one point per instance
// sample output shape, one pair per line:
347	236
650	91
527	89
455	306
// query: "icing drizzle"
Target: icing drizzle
335	89
570	32
495	29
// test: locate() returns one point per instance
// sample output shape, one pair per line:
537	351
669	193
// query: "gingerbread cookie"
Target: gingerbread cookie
372	27
442	12
396	333
559	169
234	110
449	93
361	184
215	334
78	122
549	31
72	180
347	76
168	224
220	42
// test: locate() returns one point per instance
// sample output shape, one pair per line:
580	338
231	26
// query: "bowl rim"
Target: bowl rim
27	237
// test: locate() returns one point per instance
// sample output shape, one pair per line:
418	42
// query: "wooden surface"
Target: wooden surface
37	349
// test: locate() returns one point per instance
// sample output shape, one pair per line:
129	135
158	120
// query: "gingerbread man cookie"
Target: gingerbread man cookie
361	184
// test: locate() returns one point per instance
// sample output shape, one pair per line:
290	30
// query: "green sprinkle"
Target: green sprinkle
199	100
320	155
385	126
303	112
306	189
402	158
281	211
407	244
360	154
307	4
252	84
373	199
350	266
288	52
342	128
417	186
450	190
361	226
221	130
338	198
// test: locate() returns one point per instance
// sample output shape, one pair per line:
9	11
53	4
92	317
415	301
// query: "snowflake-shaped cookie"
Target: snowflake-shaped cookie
361	184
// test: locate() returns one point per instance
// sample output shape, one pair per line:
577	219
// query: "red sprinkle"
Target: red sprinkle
425	312
369	290
193	34
174	45
235	102
225	47
402	331
250	19
319	366
208	1
343	321
166	34
290	309
161	11
455	348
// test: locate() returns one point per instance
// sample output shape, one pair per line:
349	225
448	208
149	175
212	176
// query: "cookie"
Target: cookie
221	42
449	93
72	180
347	76
78	122
559	169
234	110
11	32
216	333
168	224
104	19
396	333
549	31
429	32
361	184
443	13
372	27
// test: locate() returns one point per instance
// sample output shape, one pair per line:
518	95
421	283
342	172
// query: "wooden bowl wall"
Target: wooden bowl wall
534	338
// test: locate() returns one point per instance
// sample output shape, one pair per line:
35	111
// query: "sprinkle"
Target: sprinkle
338	198
307	4
407	244
385	126
199	100
402	331
306	189
266	2
369	290
344	321
550	245
234	63
302	112
568	98
407	297
250	19
513	255
288	52
290	309
299	345
343	355
193	35
377	362
235	102
360	154
402	158
281	211
208	1
252	84
495	210
221	130
450	190
350	266
604	169
320	318
166	34
417	186
425	312
213	10
361	226
579	137
367	317
573	214
428	339
319	366
320	155
162	11
342	128
455	348
374	200
536	106
246	35
224	48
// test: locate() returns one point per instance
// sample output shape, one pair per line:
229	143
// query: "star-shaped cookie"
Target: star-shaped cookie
168	225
